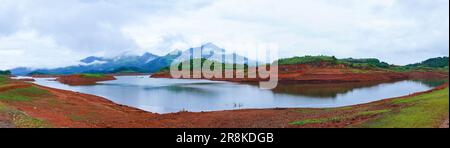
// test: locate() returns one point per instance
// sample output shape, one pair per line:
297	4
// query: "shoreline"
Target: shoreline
443	86
321	74
84	110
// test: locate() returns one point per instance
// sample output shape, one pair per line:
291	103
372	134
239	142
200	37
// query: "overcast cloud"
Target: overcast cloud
53	33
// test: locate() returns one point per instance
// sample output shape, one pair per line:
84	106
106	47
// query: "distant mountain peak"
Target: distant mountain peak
210	45
148	57
91	59
147	54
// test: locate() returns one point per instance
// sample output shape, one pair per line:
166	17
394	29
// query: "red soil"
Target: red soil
12	86
82	80
327	73
428	75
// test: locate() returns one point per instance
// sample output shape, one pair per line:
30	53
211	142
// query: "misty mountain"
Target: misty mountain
146	63
97	65
214	53
207	51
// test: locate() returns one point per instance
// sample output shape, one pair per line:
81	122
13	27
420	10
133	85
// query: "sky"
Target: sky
55	33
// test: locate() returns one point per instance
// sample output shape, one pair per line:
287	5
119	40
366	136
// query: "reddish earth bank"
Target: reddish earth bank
327	73
83	80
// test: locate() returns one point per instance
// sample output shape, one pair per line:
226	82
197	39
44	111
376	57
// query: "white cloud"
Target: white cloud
29	49
386	29
398	31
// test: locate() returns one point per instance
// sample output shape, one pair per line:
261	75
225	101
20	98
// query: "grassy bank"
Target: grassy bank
19	119
427	110
422	111
12	94
93	76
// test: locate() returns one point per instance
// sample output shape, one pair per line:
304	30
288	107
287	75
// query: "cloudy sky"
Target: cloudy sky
53	33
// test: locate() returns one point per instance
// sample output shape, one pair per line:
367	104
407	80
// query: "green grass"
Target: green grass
77	118
3	80
2	107
423	111
373	112
340	118
307	59
92	75
316	121
350	62
359	71
22	120
23	94
18	118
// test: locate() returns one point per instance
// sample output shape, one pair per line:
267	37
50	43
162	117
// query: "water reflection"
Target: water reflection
433	83
323	90
173	95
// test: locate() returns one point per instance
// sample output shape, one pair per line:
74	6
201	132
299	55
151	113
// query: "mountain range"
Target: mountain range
146	63
150	63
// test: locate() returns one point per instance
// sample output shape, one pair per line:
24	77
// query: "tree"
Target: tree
6	72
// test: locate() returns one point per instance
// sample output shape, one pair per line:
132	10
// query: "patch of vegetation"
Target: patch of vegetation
373	112
422	111
435	64
307	60
127	70
90	117
36	73
419	69
439	62
355	63
77	118
2	107
6	72
92	76
364	63
359	113
316	121
21	119
3	80
23	94
354	70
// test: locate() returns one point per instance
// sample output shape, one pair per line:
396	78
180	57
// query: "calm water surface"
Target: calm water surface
174	95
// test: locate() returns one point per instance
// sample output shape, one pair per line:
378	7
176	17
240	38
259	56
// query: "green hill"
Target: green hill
6	72
433	64
361	63
439	62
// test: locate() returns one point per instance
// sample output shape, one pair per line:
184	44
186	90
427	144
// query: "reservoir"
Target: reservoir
175	95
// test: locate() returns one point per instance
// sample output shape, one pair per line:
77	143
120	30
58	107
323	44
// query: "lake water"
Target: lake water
174	95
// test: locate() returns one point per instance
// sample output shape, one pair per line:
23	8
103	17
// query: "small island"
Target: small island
84	79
